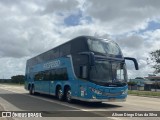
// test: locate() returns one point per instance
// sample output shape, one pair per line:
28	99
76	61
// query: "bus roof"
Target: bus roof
75	45
78	42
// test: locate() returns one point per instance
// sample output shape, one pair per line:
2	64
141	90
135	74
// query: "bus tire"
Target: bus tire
32	90
68	95
59	94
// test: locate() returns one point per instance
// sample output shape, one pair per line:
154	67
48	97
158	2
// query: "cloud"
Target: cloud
131	42
139	46
12	66
60	6
125	16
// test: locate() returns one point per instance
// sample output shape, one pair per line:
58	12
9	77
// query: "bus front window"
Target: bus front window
105	72
119	72
104	47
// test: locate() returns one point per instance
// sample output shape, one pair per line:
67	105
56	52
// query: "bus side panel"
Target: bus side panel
42	86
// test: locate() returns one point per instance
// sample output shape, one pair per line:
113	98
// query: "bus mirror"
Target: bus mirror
134	60
83	72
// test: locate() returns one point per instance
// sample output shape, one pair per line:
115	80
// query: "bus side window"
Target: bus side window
64	74
61	74
46	75
39	76
51	75
58	74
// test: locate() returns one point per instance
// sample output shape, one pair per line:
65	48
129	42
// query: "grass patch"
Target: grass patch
144	93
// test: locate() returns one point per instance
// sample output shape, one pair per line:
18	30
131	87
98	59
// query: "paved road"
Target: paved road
15	98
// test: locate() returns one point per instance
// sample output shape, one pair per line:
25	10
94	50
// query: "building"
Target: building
150	83
136	84
153	84
153	78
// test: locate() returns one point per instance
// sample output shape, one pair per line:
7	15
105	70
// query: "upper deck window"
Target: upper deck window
104	47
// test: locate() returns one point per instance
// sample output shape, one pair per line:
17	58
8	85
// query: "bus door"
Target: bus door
82	83
82	88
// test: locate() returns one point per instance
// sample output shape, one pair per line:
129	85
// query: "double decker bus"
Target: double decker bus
85	68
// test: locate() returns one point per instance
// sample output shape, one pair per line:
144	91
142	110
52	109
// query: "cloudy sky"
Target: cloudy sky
30	27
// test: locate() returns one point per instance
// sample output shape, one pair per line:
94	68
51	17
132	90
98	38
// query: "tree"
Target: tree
17	79
155	60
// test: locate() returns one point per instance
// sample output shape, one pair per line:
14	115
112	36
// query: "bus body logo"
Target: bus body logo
52	64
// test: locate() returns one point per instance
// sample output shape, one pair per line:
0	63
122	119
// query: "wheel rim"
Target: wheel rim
69	95
60	94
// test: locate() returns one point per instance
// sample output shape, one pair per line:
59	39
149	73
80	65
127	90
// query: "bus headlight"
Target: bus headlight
96	91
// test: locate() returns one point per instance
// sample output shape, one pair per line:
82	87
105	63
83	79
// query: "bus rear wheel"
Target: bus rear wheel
68	95
59	94
31	90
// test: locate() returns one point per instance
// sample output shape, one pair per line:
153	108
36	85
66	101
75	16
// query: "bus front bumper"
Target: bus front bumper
100	100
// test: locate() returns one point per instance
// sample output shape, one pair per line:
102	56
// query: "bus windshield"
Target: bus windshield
108	72
104	46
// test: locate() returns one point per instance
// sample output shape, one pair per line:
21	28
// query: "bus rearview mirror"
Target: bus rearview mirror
134	60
